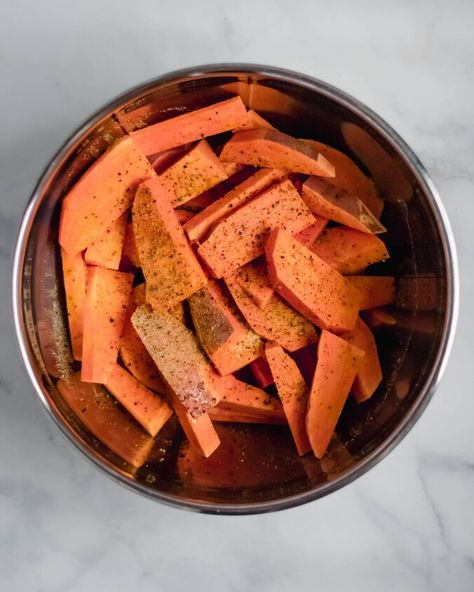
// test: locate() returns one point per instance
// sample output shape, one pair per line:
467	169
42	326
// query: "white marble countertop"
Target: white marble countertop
408	524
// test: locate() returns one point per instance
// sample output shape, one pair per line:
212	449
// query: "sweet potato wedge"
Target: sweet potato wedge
310	285
183	366
270	148
199	431
75	280
103	193
310	234
254	281
276	322
327	201
244	398
293	392
211	120
241	236
106	304
261	371
106	250
374	290
146	407
350	178
171	270
101	415
349	250
224	335
369	374
199	226
197	171
336	369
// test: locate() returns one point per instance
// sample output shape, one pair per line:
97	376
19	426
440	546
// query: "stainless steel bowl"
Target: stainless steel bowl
414	352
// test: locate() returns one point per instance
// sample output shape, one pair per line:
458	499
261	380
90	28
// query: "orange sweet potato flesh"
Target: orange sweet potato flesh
198	227
189	127
106	250
350	178
133	353
262	372
309	235
199	431
349	250
255	121
327	201
379	317
129	251
336	369
227	416
179	359
146	407
293	392
310	285
369	375
161	161
270	148
241	236
374	290
276	322
171	270
254	281
244	398
197	171
103	193
224	335
75	279
107	300
101	415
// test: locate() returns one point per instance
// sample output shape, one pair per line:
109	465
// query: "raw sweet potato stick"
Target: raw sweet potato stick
189	127
103	193
293	392
374	290
336	369
310	285
327	201
349	177
146	407
75	280
105	308
271	148
349	250
172	272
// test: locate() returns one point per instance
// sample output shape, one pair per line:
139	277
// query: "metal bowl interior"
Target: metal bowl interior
269	475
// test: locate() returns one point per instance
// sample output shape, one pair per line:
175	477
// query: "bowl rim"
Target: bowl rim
446	239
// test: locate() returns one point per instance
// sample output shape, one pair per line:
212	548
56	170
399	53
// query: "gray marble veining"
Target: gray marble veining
408	524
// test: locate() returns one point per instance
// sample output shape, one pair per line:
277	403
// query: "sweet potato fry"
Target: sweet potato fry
270	148
106	250
75	280
310	285
374	290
